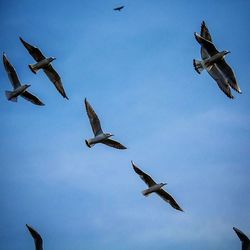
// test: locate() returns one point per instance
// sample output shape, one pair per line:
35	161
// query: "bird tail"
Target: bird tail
33	68
145	192
9	96
198	66
88	144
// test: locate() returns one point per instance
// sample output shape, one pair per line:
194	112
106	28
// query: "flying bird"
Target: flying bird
243	238
45	64
37	238
18	89
119	8
156	188
213	61
100	136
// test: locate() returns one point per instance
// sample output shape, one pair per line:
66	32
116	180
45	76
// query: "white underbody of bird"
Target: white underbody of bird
97	139
12	95
41	64
153	189
209	62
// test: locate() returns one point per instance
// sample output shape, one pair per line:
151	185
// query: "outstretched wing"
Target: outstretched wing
55	78
113	144
241	235
31	98
206	35
34	51
93	119
119	8
229	74
168	198
37	238
208	46
205	32
11	72
145	177
217	75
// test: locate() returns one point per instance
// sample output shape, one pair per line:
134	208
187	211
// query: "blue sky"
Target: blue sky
135	68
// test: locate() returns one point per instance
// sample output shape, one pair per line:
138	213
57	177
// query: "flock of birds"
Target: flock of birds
212	60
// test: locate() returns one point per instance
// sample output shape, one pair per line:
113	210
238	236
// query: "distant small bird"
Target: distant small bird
119	8
100	136
19	90
37	238
243	238
45	64
155	188
213	61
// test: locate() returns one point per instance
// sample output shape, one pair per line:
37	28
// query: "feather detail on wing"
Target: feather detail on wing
34	51
221	80
113	144
145	177
208	46
229	74
93	119
206	35
29	97
205	32
55	78
12	75
168	198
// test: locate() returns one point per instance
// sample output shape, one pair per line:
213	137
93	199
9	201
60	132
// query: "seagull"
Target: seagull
155	188
119	8
37	238
243	238
45	64
100	136
19	90
213	61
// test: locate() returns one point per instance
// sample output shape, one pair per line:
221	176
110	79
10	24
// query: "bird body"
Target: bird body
45	64
156	188
153	189
209	62
18	89
41	64
97	139
213	61
12	95
119	8
100	136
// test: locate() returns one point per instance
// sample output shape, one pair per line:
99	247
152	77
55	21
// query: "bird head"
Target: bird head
163	184
109	135
225	52
52	58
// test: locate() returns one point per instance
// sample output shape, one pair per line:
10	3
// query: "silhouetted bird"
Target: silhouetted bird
100	136
213	61
19	90
45	64
37	238
156	188
119	8
243	238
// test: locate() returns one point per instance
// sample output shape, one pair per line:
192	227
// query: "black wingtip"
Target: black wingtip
87	143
